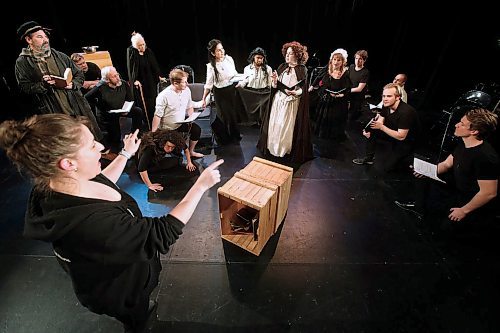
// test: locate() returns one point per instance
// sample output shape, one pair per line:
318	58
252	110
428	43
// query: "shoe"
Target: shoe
365	160
410	207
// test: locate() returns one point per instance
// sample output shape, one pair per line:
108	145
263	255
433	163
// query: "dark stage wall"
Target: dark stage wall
445	49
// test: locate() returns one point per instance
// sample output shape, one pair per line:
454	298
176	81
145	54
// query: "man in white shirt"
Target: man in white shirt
400	80
172	104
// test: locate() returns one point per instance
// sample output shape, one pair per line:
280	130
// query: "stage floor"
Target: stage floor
345	259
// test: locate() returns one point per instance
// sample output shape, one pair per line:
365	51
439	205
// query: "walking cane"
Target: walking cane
144	105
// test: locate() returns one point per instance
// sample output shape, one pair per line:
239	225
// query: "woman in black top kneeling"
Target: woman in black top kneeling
160	151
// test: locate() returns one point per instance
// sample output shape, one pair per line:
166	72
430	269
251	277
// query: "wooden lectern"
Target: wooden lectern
100	58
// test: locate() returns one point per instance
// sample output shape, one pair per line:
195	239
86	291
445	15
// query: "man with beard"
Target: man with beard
109	95
35	68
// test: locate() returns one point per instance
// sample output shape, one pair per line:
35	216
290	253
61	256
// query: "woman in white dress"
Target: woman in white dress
287	130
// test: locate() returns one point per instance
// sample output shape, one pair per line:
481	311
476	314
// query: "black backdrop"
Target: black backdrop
445	48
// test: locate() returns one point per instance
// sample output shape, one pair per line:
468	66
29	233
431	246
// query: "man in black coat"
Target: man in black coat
35	68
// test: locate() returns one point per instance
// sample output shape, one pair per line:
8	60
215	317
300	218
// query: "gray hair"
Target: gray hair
105	72
136	37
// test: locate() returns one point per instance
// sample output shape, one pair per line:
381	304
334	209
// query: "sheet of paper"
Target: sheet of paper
190	118
127	106
237	78
426	169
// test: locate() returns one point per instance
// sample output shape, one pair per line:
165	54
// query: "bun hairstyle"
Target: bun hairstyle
36	145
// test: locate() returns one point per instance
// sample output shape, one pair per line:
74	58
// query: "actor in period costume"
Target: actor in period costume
34	69
286	127
143	73
255	88
334	89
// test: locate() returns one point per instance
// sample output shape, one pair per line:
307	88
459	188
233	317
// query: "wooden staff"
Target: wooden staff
144	105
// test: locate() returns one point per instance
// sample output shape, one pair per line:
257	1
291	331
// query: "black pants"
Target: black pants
392	155
434	200
111	123
356	108
193	129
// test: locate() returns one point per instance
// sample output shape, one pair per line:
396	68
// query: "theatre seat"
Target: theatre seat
208	113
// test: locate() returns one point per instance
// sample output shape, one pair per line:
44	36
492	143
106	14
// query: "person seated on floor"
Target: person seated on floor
160	151
475	166
109	95
172	104
393	133
98	233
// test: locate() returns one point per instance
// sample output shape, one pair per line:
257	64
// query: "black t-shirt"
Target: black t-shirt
473	164
93	73
148	158
357	77
405	117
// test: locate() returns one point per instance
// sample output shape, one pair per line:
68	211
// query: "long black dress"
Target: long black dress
145	69
331	112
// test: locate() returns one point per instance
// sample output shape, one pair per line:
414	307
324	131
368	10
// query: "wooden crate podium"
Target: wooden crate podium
262	187
100	58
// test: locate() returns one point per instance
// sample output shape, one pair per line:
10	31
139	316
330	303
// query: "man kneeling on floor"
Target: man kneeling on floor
470	207
393	133
161	151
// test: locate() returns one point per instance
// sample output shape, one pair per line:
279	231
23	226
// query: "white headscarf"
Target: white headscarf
340	51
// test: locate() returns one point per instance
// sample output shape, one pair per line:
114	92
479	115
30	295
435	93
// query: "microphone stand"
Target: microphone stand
450	114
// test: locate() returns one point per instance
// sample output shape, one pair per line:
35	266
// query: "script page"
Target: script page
427	169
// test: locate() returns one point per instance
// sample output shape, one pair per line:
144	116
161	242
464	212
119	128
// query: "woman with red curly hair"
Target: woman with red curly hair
286	128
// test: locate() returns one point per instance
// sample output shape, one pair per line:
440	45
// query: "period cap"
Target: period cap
29	27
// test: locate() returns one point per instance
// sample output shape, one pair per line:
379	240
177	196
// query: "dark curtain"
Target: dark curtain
444	50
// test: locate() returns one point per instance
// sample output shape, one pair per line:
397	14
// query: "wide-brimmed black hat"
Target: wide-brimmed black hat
29	27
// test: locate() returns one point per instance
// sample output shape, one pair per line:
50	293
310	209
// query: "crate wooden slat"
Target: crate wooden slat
276	174
263	186
238	193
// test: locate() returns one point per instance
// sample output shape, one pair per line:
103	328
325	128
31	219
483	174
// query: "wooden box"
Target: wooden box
259	197
276	174
100	58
